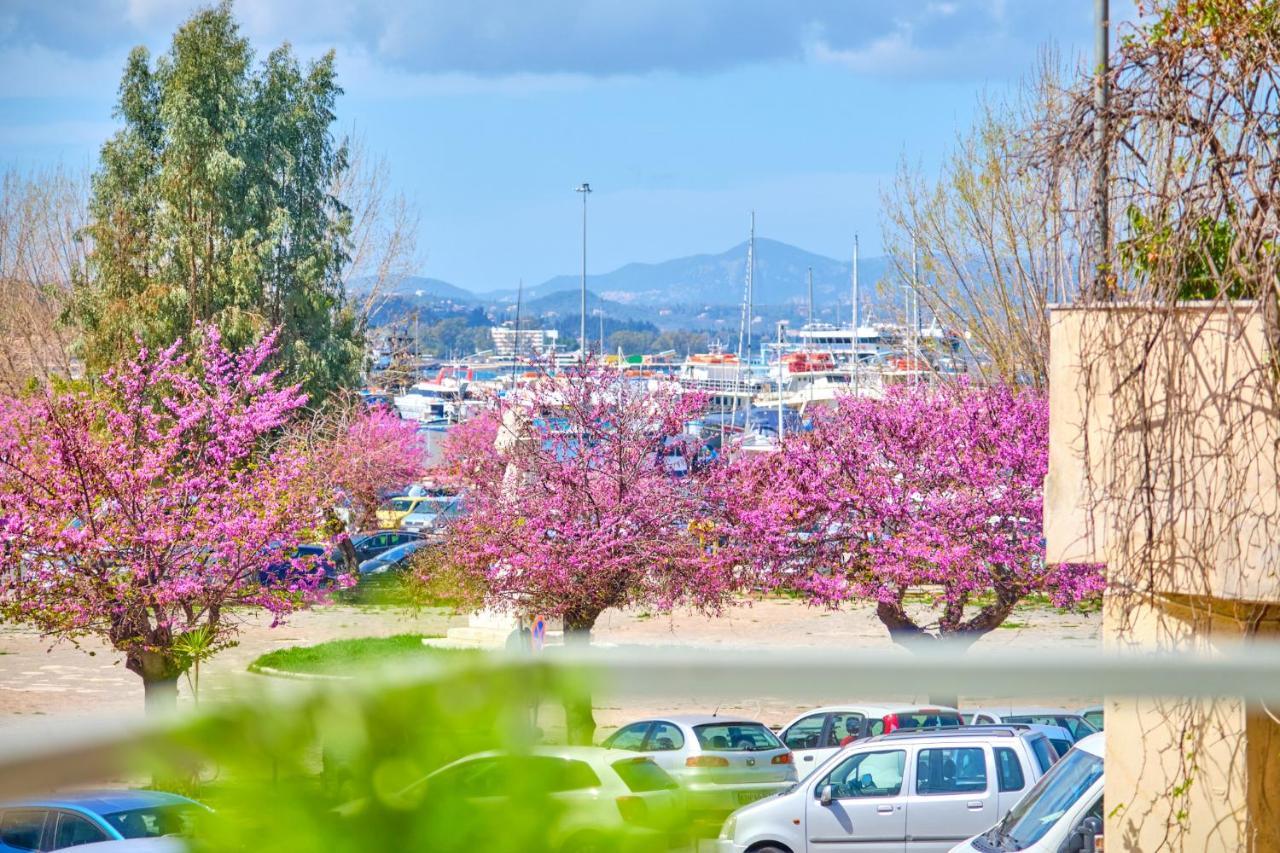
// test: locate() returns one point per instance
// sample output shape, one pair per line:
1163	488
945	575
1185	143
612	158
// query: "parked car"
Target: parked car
432	515
393	510
720	762
817	735
606	797
1059	738
1061	812
1094	715
1077	725
932	787
276	572
393	559
88	817
371	544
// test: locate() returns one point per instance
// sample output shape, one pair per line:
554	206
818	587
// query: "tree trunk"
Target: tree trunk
159	673
160	694
579	719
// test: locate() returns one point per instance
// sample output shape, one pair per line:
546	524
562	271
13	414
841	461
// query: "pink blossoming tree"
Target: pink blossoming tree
583	495
140	513
938	489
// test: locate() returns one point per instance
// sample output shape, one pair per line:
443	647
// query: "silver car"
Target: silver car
720	762
914	791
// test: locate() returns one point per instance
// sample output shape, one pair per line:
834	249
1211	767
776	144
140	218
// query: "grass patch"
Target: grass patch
1012	624
350	657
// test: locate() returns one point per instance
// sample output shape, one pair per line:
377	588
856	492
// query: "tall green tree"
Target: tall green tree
215	203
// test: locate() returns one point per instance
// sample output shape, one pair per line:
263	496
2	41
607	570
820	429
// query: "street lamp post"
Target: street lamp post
585	189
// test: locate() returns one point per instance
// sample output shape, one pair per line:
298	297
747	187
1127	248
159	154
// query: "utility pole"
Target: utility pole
810	296
585	189
855	365
782	430
601	332
1102	98
913	313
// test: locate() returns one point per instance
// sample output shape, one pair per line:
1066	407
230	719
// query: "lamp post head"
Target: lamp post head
584	188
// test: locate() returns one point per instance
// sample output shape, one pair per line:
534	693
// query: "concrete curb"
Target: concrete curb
272	672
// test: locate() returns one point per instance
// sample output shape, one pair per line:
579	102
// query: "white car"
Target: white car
720	762
432	516
601	795
916	791
1077	725
1062	812
819	734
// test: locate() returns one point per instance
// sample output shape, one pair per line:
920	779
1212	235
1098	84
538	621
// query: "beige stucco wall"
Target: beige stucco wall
1163	465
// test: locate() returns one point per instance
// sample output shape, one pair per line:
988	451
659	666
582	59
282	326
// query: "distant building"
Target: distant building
531	341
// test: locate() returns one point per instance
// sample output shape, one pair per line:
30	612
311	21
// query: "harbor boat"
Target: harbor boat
438	398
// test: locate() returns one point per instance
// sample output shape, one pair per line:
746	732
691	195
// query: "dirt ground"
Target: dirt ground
60	683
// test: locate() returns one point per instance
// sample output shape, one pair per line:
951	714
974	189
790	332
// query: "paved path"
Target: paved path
63	681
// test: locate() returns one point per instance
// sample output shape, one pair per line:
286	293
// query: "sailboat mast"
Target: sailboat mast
857	315
515	360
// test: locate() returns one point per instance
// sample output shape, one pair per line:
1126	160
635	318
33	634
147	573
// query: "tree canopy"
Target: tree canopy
215	203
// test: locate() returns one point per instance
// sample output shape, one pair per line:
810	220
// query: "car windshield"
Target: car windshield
736	736
641	775
398	553
1078	726
400	504
1050	798
152	821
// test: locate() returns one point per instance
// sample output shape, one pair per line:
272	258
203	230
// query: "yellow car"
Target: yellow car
393	511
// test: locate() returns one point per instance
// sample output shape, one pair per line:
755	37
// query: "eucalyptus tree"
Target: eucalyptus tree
215	203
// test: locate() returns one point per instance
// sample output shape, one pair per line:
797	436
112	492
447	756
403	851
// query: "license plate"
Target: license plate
745	797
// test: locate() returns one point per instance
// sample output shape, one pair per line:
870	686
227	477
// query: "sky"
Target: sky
684	115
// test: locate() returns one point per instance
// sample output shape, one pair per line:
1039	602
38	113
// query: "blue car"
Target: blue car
87	817
391	560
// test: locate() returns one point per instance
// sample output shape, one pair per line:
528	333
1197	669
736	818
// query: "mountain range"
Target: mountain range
695	281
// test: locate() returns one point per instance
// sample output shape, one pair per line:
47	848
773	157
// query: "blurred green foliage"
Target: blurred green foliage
339	766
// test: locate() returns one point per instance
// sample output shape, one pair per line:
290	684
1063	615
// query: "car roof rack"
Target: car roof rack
998	730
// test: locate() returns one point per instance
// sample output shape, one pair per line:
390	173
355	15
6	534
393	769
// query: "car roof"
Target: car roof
874	709
700	719
1052	731
974	732
102	802
1094	744
1023	711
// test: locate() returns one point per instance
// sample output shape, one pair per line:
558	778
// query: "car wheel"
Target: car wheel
770	849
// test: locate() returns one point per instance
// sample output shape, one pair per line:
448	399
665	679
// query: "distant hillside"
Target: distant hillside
780	278
416	287
696	292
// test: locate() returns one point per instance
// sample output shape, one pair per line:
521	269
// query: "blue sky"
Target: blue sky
683	114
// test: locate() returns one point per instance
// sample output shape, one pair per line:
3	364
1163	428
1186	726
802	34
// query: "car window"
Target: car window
560	774
1009	770
929	720
844	725
954	770
1060	746
665	737
875	727
641	775
806	733
151	822
22	828
628	737
1095	719
481	777
867	774
74	830
736	736
1045	756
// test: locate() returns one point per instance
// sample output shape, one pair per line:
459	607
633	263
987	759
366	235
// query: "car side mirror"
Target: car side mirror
824	796
1083	838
